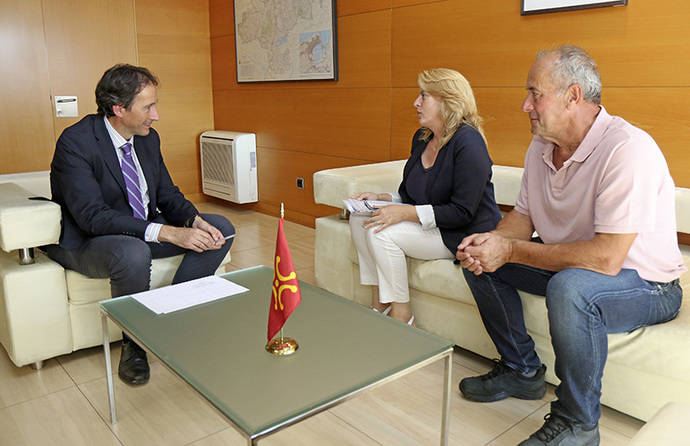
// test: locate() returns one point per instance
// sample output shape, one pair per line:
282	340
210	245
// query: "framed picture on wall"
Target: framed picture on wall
542	6
286	40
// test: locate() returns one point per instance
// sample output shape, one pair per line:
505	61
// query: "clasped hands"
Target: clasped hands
202	236
485	252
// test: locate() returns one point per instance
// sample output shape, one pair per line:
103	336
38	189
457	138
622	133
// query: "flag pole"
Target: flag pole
282	216
283	346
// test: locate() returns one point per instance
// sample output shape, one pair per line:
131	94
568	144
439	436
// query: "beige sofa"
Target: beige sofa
645	369
45	310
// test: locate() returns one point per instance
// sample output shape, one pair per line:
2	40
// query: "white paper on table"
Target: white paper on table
187	294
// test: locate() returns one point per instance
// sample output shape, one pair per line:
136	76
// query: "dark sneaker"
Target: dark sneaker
503	382
558	431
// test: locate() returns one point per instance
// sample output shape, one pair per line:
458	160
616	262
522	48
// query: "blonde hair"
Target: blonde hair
457	101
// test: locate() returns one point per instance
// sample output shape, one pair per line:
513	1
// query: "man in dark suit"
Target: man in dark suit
120	208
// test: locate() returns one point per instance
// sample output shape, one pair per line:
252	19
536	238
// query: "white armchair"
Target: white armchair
45	310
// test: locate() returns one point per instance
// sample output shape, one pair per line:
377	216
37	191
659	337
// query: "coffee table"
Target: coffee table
218	349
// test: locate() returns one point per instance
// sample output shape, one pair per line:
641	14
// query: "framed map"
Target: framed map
285	40
542	6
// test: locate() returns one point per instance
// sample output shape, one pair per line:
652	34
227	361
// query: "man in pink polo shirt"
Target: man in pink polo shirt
598	193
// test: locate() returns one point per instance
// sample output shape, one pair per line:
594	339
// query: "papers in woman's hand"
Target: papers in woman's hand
364	207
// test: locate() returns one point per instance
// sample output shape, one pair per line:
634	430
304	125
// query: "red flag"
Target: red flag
285	294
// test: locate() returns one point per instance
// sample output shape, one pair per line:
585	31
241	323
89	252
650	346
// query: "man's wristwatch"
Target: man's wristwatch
190	221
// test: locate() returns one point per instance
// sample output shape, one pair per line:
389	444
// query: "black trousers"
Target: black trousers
126	260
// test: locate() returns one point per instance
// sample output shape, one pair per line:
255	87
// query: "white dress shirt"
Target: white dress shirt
153	229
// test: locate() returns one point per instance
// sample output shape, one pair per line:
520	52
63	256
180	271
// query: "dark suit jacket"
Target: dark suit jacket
86	181
459	186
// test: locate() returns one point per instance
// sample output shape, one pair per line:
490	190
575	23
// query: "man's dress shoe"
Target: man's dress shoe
133	368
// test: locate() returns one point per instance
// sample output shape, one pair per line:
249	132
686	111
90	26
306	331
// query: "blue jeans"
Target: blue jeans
126	260
583	307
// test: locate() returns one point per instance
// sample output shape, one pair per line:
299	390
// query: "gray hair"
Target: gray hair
575	66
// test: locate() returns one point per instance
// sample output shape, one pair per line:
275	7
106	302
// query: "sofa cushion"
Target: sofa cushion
535	308
667	427
439	278
85	290
26	223
641	348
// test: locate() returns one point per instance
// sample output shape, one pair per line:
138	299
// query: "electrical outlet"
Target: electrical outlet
300	183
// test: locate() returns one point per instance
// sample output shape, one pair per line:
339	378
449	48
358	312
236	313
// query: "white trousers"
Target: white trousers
382	254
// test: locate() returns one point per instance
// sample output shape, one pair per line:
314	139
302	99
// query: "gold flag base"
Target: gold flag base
282	346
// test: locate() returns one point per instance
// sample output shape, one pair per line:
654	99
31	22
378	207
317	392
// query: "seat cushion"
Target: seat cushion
84	293
85	290
667	427
440	278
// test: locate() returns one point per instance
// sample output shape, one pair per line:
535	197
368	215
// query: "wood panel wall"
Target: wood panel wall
79	52
173	41
26	123
367	116
303	127
54	48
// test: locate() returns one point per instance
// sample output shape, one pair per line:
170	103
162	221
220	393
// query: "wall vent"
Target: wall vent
228	165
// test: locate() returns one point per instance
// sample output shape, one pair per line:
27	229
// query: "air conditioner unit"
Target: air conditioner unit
228	165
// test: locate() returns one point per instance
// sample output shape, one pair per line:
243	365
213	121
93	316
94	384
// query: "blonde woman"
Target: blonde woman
446	194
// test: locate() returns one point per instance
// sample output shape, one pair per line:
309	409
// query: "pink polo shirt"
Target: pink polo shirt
617	181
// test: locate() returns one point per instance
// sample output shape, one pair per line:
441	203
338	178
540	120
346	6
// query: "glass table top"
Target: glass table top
218	348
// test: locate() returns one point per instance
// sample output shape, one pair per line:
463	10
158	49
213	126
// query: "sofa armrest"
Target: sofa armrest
38	182
683	209
26	223
506	182
332	186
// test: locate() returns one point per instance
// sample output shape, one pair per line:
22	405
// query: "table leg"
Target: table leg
108	369
445	414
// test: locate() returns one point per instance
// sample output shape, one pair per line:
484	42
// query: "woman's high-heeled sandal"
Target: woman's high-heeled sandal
384	312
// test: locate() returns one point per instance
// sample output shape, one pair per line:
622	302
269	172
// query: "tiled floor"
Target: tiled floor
65	403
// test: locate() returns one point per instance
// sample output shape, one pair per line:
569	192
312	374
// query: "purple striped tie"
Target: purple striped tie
129	171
